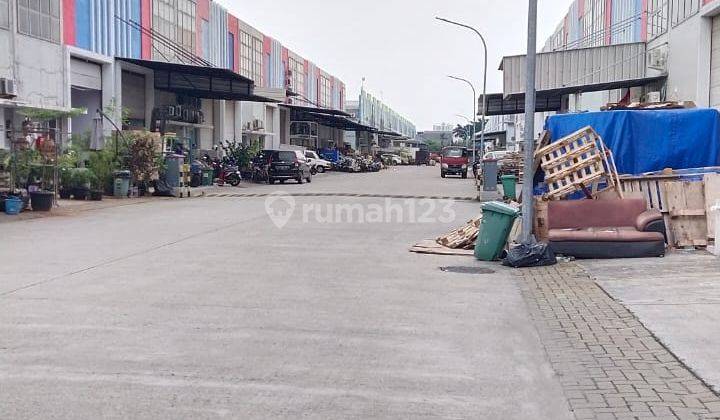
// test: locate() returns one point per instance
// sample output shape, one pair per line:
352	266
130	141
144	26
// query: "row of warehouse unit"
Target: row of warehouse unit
130	28
104	55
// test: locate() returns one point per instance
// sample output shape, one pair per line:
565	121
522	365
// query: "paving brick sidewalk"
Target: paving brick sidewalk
610	366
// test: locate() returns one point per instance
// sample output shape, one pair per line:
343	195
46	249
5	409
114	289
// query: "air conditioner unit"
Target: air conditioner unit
8	89
657	58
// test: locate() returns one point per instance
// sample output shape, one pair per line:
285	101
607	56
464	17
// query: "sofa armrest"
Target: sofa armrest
646	218
651	221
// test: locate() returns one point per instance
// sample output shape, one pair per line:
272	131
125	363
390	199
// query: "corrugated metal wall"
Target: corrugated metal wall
218	44
626	21
275	66
577	67
98	31
127	39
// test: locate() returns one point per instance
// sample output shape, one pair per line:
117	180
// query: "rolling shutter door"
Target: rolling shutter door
85	75
715	64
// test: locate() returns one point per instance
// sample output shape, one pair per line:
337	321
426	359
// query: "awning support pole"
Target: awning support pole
529	167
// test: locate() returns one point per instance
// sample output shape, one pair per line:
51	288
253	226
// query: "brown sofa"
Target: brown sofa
606	229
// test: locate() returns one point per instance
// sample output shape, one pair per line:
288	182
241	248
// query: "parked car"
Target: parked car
392	159
316	163
497	154
288	164
454	161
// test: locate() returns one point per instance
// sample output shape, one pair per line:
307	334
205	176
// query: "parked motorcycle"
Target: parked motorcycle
229	174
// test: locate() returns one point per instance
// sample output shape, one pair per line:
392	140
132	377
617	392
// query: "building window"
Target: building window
231	51
657	20
325	93
175	20
251	56
39	18
684	9
4	14
297	68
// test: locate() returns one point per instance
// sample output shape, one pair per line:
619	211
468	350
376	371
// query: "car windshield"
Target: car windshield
454	153
284	156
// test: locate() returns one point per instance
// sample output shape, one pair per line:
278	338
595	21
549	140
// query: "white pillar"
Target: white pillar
218	121
238	120
3	141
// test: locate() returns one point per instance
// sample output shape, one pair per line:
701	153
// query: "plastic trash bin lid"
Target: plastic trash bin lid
502	208
508	177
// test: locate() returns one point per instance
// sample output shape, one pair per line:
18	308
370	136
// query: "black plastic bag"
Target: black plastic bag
537	255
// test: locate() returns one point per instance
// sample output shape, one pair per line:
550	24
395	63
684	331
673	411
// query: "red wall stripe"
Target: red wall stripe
644	21
202	12
233	28
608	21
69	22
146	19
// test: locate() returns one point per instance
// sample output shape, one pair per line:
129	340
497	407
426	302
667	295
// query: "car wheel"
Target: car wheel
271	181
320	169
282	181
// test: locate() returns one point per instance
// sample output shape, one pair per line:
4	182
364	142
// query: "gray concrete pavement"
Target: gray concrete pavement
202	308
677	298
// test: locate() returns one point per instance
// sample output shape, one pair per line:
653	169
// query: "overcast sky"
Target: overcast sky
399	48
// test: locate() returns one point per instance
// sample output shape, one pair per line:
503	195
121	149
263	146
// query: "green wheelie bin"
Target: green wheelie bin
497	221
509	183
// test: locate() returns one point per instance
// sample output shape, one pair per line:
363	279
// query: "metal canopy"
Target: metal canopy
327	117
200	82
326	111
551	100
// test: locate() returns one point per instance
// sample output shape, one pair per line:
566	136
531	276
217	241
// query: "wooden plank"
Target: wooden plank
687	212
712	197
540	221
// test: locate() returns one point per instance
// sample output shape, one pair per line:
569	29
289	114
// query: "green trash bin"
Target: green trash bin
121	186
509	183
497	221
207	177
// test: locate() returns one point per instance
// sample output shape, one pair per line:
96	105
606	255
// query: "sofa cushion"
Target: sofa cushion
607	234
647	217
594	213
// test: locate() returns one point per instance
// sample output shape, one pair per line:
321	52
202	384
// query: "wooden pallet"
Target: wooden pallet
576	162
462	238
685	205
432	247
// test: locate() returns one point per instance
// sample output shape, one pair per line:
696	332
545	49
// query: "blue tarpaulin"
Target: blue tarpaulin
646	141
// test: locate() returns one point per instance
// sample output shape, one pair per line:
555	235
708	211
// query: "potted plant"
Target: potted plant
82	180
143	160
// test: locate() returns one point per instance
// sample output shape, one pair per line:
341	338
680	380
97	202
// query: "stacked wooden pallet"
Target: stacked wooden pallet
577	162
685	202
463	238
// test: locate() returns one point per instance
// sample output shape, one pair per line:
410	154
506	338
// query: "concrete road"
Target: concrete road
204	308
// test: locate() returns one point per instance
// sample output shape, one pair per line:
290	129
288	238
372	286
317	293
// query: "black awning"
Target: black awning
325	111
327	117
498	105
200	81
551	100
390	134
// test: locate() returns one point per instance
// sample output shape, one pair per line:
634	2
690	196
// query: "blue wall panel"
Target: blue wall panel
82	24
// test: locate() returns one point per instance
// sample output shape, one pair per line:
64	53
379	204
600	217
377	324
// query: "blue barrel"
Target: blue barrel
13	206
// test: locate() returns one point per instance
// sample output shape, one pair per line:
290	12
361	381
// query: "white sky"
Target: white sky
401	50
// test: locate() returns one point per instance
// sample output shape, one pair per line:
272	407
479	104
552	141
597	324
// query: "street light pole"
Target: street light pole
529	167
485	72
474	113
